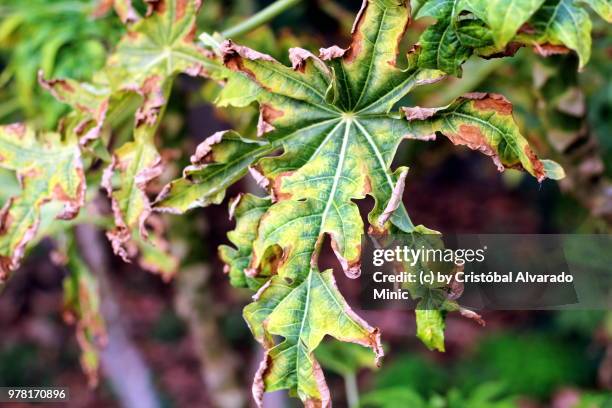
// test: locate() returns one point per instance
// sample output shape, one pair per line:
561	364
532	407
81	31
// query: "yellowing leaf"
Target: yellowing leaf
49	169
160	45
330	119
483	122
82	308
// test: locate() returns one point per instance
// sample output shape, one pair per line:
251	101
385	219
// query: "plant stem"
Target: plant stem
259	18
352	392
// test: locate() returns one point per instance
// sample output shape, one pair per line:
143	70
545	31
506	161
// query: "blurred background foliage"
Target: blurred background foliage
190	334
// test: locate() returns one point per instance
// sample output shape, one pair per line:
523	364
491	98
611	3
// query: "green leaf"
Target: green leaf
307	313
219	161
248	210
154	50
440	45
50	169
563	22
483	122
601	7
160	45
330	116
503	17
499	28
430	328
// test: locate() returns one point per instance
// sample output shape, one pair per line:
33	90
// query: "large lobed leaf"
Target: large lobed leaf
331	118
48	169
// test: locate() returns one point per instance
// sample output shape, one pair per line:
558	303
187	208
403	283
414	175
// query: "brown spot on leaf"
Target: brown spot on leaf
53	85
472	137
157	6
277	193
510	49
5	216
5	267
538	166
267	115
233	58
491	101
546	50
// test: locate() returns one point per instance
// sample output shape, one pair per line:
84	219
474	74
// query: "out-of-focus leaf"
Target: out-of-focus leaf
602	7
430	328
344	358
562	23
82	308
160	45
503	17
50	169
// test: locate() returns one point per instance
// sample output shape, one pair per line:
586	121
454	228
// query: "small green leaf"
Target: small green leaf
440	45
430	328
563	22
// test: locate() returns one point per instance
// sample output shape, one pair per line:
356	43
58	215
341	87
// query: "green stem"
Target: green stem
352	392
259	18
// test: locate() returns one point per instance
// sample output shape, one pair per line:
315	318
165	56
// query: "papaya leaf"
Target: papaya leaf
331	119
159	45
49	169
146	61
304	315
